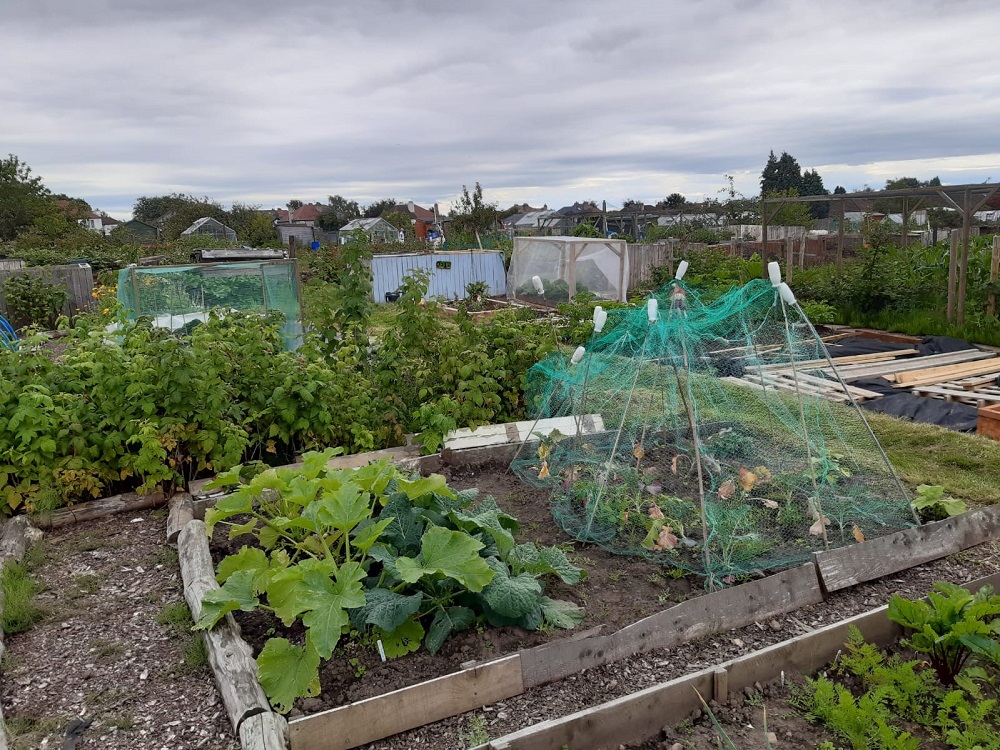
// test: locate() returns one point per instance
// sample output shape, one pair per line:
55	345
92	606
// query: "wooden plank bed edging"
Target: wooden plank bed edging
410	707
181	511
229	655
14	539
106	506
882	556
639	716
712	613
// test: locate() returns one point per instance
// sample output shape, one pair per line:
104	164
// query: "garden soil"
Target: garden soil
101	655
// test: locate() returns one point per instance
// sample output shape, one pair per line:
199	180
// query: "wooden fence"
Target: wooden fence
802	252
76	279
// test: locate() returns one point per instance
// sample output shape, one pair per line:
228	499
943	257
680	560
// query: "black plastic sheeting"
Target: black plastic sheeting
905	404
896	403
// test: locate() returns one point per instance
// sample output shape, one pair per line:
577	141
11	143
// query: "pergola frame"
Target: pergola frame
966	199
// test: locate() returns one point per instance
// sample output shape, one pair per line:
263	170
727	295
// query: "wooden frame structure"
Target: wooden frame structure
966	199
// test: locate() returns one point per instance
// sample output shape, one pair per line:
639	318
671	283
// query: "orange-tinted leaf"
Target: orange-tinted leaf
857	534
639	453
673	464
666	539
544	471
747	479
817	528
655	512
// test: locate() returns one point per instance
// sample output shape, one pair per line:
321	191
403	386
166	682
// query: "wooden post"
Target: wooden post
991	308
670	256
789	258
963	271
802	251
952	274
763	237
840	234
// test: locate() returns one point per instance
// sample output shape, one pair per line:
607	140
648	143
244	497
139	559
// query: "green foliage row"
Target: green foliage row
953	698
33	301
378	556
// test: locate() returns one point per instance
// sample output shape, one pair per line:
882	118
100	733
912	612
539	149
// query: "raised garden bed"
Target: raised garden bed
528	670
485	309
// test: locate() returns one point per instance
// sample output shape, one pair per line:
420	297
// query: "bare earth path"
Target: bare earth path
115	647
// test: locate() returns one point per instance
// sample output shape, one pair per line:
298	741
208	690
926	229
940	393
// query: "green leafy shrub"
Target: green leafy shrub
406	561
33	301
953	626
932	504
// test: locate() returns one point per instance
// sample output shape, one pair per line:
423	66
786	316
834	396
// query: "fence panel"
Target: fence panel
76	279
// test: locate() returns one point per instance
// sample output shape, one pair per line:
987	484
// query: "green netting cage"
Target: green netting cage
178	297
697	459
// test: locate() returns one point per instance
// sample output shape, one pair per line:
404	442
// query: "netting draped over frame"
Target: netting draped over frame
176	296
700	463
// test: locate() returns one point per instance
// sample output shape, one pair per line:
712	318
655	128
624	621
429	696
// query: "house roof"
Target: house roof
107	221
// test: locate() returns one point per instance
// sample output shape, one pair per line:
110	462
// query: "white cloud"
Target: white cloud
540	102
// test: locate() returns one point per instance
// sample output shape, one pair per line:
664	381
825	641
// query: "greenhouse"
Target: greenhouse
549	270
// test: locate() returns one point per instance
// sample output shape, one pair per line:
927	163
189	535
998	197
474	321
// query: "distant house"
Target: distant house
145	234
422	219
307	214
96	222
209	227
377	230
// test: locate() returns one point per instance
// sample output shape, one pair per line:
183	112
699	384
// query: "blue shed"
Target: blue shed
450	272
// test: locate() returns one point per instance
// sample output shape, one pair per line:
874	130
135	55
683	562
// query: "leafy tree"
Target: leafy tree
472	213
674	200
840	190
812	184
176	212
790	214
252	225
379	207
780	174
294	205
633	205
340	212
23	197
583	229
399	220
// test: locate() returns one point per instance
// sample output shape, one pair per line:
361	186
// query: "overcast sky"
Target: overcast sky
544	101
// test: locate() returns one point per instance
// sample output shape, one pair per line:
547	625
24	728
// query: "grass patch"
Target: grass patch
108	649
123	722
91	541
165	556
967	466
19	587
86	583
26	732
177	617
196	653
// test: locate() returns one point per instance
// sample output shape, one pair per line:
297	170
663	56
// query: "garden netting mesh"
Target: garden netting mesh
698	459
179	297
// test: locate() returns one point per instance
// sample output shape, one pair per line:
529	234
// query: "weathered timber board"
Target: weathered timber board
519	432
372	719
874	558
888	369
934	375
181	511
639	716
107	506
229	655
267	731
13	539
617	722
712	613
957	394
816	364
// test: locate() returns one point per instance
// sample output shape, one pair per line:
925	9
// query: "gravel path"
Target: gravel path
114	647
596	686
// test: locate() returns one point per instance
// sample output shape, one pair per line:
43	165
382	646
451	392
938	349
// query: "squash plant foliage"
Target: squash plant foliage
407	561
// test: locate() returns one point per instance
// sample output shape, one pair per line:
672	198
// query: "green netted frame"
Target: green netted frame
697	466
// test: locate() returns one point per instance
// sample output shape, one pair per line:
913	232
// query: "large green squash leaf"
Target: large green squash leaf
403	640
447	621
512	597
385	609
236	593
450	553
287	671
561	614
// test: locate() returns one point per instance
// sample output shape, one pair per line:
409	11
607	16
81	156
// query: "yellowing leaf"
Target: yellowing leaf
747	479
666	539
726	489
544	471
763	474
857	534
639	453
817	528
769	503
673	464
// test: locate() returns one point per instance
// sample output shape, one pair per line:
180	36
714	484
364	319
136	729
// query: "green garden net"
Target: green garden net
178	297
703	436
